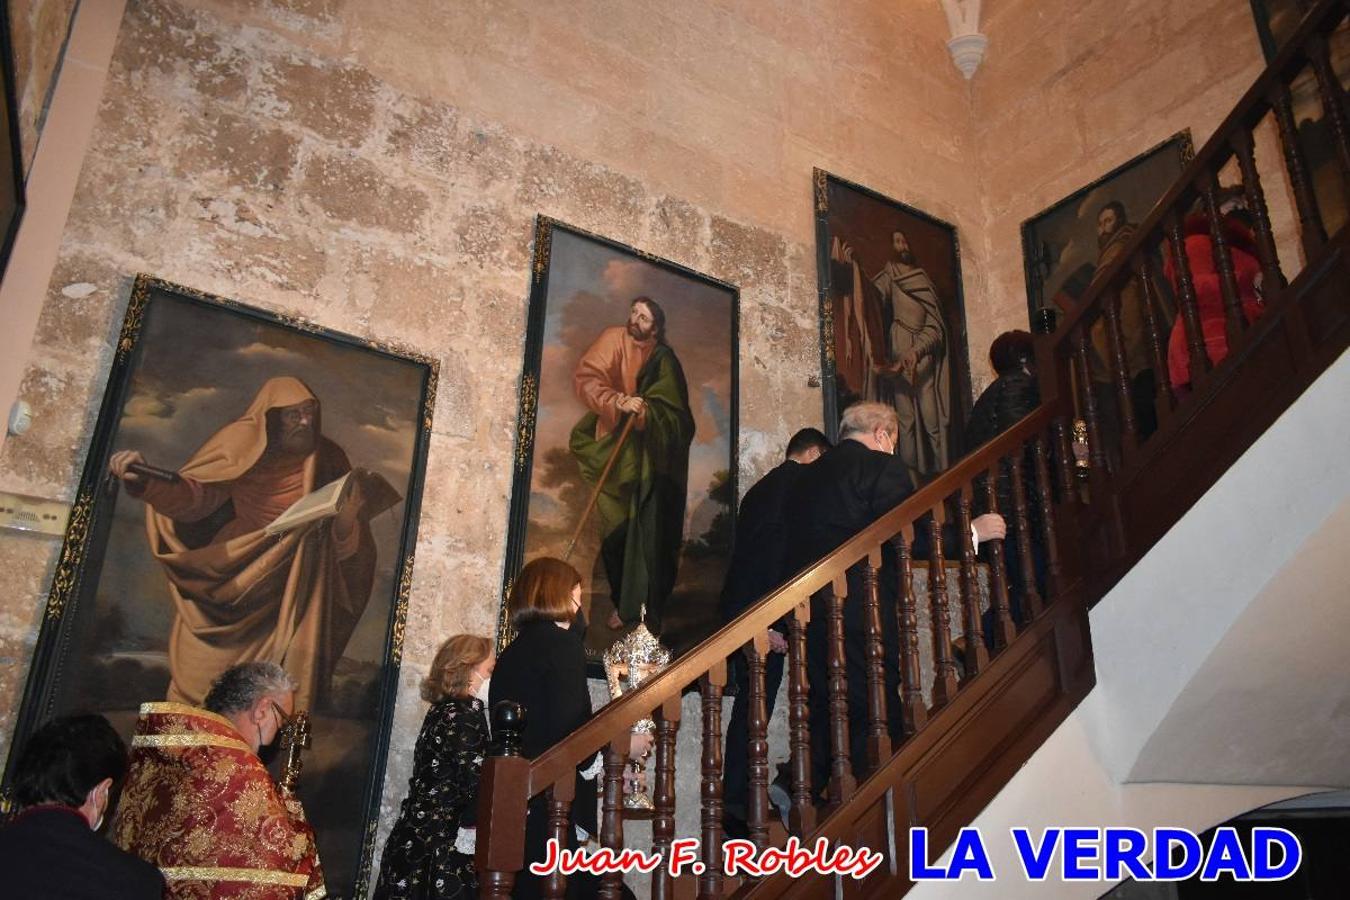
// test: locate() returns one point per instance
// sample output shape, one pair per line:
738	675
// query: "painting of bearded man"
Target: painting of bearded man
893	322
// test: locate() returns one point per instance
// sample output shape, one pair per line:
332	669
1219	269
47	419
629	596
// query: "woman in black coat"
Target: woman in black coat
544	670
429	854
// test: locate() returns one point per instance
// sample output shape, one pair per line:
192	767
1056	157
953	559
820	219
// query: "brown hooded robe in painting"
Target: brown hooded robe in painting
241	594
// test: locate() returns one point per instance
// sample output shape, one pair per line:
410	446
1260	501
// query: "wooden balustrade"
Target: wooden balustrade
936	763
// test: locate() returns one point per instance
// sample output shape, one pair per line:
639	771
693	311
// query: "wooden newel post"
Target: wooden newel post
503	792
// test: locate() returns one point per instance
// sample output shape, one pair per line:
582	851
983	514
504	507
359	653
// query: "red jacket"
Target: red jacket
1208	293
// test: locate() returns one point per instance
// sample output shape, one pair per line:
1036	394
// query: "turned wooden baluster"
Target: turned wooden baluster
1053	575
1272	277
1004	629
710	882
878	736
560	797
1064	459
1234	322
944	667
1021	528
1120	373
1332	95
841	771
913	713
502	796
611	812
977	655
802	817
1096	453
1157	344
757	799
1311	230
663	796
1187	307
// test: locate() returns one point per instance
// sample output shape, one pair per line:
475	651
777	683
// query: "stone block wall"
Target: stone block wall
377	166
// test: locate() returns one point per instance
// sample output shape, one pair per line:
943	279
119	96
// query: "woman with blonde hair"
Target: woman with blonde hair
544	670
429	854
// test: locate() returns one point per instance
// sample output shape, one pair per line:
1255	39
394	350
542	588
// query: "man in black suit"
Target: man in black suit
847	490
52	850
756	569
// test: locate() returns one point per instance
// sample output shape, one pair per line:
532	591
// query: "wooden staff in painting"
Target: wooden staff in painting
632	447
595	491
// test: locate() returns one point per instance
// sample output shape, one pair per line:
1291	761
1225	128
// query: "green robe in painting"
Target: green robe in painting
641	506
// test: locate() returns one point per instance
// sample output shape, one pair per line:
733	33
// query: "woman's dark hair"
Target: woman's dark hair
1012	350
66	758
543	590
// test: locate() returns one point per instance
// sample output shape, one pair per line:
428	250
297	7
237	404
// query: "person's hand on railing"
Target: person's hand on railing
989	527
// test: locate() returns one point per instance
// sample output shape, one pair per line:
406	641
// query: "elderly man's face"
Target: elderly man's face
279	708
295	428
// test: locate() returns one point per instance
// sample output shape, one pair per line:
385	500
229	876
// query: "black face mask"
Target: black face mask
578	626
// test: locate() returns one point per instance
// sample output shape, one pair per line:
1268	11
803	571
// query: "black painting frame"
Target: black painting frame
527	408
10	218
80	563
1185	148
822	181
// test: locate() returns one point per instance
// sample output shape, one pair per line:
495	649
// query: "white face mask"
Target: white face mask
482	692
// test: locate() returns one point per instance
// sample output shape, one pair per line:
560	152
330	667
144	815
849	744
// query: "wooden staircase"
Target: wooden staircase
1094	515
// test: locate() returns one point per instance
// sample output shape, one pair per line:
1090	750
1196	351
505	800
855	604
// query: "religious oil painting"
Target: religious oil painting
251	493
893	320
626	443
1276	23
1064	246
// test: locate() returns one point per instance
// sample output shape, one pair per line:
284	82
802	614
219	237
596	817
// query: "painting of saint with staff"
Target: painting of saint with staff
634	433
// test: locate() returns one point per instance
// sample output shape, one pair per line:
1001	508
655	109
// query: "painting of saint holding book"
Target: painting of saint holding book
252	494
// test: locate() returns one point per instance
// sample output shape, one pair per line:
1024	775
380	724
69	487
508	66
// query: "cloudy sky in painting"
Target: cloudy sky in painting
590	287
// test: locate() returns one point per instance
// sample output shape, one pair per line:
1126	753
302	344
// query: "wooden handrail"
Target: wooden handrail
951	757
617	717
1248	113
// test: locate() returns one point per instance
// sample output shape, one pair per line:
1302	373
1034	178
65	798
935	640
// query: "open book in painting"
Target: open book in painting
322	503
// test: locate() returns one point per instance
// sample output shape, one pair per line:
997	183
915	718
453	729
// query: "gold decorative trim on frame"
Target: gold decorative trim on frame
1187	147
72	555
131	323
827	327
401	611
529	406
543	247
433	377
822	192
505	633
223	873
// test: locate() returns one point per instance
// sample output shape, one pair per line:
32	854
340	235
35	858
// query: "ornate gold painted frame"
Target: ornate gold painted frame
74	642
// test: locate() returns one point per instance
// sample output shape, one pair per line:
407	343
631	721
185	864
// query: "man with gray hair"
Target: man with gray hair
850	487
200	804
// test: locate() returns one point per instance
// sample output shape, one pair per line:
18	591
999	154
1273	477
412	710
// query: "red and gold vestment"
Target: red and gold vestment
199	804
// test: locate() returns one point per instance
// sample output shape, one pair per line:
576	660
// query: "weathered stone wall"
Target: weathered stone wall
38	30
377	167
1073	88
